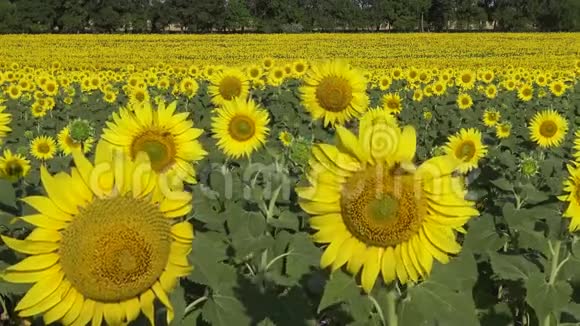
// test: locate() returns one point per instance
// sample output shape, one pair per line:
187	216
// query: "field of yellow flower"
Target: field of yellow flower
351	179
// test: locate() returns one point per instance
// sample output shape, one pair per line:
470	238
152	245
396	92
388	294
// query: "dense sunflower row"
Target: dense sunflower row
373	51
387	197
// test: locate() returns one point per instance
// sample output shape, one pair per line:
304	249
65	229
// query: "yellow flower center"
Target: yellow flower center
13	168
466	78
242	128
548	129
278	74
140	96
438	88
557	88
159	146
115	249
466	150
299	67
382	207
230	87
527	92
334	93
392	104
43	148
254	73
465	101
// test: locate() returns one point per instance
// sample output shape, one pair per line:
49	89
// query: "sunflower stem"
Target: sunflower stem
392	318
192	305
555	265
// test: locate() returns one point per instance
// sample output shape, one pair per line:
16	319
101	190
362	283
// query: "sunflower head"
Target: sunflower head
548	128
106	251
464	101
491	117
529	166
286	138
571	189
43	147
241	127
334	92
13	166
467	147
379	213
81	130
227	85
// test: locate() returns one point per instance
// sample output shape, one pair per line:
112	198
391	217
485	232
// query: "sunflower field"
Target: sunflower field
290	188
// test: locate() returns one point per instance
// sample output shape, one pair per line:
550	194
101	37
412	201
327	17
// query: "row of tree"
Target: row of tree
144	16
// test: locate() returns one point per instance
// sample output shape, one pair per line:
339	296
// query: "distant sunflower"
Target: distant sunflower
557	87
43	147
503	130
299	68
268	63
526	92
286	138
13	166
439	88
467	147
254	72
5	119
66	143
491	91
417	95
105	250
241	127
227	85
378	212
385	83
572	189
168	138
276	76
464	101
392	103
491	117
334	92
548	128
188	87
465	79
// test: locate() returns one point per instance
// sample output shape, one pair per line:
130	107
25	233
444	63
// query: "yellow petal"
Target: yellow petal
176	201
82	164
331	250
60	309
321	221
316	208
432	249
407	145
329	233
29	277
388	265
146	300
371	268
44	235
442	237
437	167
45	222
45	206
97	319
182	232
162	296
80	187
50	301
423	256
410	261
114	314
30	247
168	281
40	291
54	188
400	267
338	159
344	253
86	314
74	311
35	263
357	259
350	143
179	212
132	308
319	193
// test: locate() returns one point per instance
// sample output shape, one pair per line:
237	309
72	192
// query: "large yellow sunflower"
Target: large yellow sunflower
227	85
466	146
13	166
241	127
377	211
167	137
66	144
5	119
104	250
43	147
334	92
572	188
548	128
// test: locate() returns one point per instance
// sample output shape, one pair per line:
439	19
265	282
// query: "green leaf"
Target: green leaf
286	220
511	267
532	195
339	288
220	310
482	235
7	194
503	184
177	298
546	298
304	255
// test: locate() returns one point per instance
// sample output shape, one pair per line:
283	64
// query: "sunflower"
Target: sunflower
417	95
557	88
188	87
241	127
491	91
254	72
267	63
577	145
439	88
466	146
104	251
377	211
548	128
13	166
334	92
572	188
14	91
227	85
5	119
276	76
466	79
167	137
525	92
392	103
43	147
299	68
464	101
491	117
503	130
138	97
385	83
286	138
66	144
109	97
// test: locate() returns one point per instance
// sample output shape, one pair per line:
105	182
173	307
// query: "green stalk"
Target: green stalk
392	318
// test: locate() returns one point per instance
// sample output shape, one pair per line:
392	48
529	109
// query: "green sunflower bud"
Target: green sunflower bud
81	130
28	134
529	166
300	151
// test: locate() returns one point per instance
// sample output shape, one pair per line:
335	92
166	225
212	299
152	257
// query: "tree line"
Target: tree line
289	16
